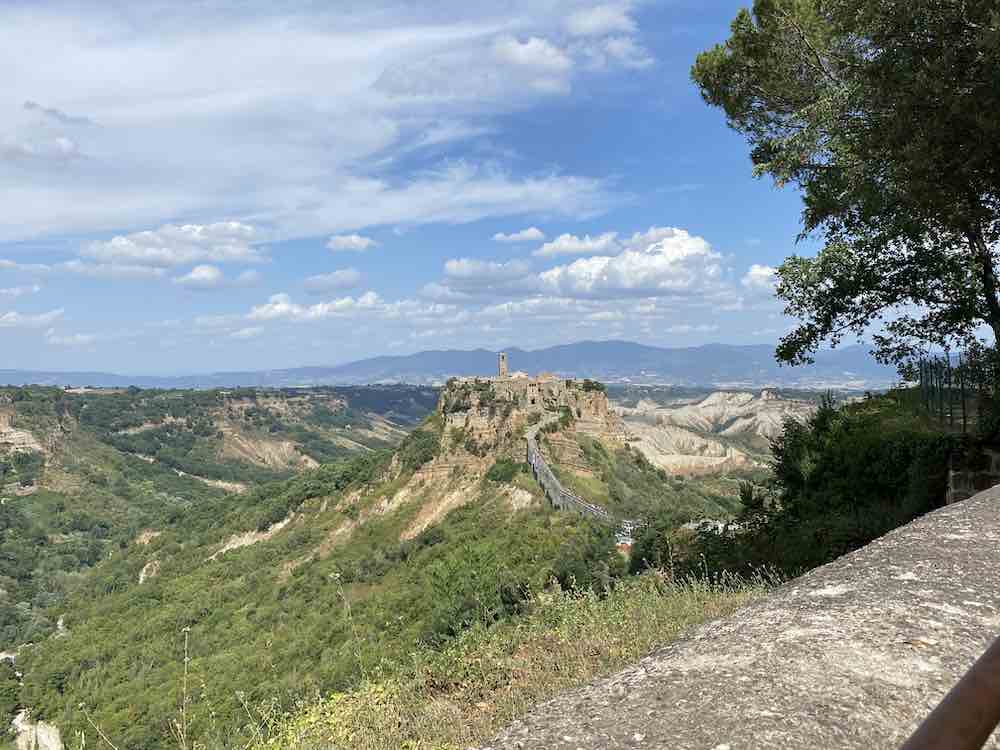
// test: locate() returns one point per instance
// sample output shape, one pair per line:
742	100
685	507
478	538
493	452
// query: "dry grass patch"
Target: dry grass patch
464	694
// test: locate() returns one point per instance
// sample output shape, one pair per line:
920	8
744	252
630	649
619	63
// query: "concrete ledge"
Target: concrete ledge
851	655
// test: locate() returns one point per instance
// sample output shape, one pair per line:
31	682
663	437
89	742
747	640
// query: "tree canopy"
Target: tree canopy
884	114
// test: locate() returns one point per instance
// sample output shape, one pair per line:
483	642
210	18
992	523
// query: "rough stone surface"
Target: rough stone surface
32	735
851	655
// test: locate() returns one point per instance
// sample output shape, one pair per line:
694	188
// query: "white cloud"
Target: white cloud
248	278
346	278
681	264
60	149
244	334
281	307
760	279
202	277
601	20
15	319
20	291
531	234
642	240
108	270
207	278
534	53
92	270
173	114
351	242
686	328
173	245
443	293
569	244
470	273
216	322
615	52
73	340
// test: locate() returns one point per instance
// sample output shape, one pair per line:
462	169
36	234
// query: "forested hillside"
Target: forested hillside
83	473
287	588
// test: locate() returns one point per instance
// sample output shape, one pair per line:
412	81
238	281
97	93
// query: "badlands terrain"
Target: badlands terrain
691	433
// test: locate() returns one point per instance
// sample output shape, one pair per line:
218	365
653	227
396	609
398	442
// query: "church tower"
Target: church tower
503	365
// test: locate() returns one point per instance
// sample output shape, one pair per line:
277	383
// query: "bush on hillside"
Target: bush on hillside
841	480
418	448
504	470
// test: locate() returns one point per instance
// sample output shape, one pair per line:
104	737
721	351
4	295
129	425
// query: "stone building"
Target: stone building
467	402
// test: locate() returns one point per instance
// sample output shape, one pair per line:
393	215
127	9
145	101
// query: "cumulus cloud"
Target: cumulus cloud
760	279
351	242
202	277
535	52
600	20
281	307
569	244
173	245
72	340
443	293
20	291
468	276
15	319
608	242
680	264
346	278
642	240
531	234
208	277
615	52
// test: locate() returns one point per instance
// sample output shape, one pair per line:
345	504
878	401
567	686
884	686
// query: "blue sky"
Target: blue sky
258	185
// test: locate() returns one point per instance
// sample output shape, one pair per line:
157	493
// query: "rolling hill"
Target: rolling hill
717	365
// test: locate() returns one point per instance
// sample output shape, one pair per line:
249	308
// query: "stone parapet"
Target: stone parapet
852	655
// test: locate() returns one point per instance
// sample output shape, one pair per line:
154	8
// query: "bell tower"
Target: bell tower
502	365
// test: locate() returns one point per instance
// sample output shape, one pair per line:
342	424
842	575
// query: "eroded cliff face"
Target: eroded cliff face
33	735
722	432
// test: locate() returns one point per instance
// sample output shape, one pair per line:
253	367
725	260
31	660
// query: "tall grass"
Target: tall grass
461	695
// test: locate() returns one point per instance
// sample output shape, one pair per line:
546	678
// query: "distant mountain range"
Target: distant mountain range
717	365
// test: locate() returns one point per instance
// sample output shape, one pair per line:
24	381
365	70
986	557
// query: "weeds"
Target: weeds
461	695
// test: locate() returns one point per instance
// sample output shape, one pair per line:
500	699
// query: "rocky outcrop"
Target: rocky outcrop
249	538
851	655
149	570
13	439
272	454
32	735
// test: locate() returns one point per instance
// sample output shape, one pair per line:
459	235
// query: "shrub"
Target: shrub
841	480
419	447
504	470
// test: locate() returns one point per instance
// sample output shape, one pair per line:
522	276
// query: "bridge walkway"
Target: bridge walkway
561	498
